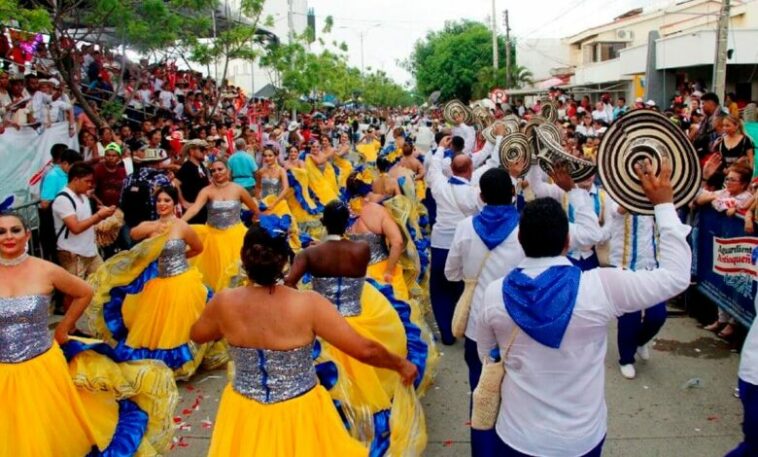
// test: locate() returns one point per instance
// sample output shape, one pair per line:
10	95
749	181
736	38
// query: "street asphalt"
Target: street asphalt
681	403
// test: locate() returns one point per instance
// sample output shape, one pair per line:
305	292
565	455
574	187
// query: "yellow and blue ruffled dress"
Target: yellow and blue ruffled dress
222	235
77	400
275	407
146	301
379	410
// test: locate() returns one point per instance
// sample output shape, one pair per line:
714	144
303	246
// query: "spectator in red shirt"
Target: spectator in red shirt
109	176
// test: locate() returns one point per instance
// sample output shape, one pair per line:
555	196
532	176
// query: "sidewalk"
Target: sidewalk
650	416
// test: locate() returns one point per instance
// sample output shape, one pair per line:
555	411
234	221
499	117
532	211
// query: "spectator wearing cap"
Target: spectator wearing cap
242	166
110	175
138	194
706	132
192	177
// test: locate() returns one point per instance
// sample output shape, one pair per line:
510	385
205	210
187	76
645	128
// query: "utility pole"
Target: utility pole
507	52
362	65
722	35
495	62
291	36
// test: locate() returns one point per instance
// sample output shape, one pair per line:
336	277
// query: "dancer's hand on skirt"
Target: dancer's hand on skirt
408	372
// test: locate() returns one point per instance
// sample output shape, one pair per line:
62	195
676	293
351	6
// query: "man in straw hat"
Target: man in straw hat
556	318
138	195
192	177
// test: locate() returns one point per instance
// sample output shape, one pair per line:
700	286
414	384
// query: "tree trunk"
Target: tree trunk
68	75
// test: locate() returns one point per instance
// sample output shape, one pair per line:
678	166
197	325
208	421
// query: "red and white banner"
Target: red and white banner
735	256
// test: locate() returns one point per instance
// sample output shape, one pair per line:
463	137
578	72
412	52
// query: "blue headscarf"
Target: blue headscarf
495	223
542	306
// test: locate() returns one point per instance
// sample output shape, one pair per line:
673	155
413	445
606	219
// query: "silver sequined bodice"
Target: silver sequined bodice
269	376
173	259
223	213
270	186
23	328
345	293
375	242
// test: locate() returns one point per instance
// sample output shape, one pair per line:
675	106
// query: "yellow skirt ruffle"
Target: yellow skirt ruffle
220	248
54	409
399	286
42	414
161	316
305	426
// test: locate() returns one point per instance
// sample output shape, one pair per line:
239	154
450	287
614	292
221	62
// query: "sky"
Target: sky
390	28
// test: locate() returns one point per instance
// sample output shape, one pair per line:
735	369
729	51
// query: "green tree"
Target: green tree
487	79
145	26
234	42
455	60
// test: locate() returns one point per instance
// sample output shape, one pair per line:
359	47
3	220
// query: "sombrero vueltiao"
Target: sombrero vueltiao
455	107
549	109
482	116
511	126
551	152
515	149
639	135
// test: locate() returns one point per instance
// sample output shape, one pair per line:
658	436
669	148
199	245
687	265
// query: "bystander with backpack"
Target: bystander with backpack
52	184
75	220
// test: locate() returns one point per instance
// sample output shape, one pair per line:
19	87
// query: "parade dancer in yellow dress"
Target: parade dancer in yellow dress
274	406
272	188
223	232
370	397
147	298
91	405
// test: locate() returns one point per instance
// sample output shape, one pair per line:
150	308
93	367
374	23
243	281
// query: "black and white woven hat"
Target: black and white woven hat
455	107
646	134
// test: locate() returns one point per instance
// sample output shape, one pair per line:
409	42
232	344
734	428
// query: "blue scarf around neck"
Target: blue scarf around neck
542	306
456	181
495	223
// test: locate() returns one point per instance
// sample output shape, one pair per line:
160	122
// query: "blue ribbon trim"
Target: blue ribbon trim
131	428
298	192
381	442
132	420
417	349
326	372
174	358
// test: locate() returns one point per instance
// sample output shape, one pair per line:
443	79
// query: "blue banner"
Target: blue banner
725	263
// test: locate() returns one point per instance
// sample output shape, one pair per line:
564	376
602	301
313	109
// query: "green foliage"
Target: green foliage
487	79
452	60
305	75
33	19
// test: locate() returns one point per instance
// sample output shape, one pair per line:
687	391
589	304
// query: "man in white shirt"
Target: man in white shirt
167	99
75	224
489	156
550	323
634	246
455	199
424	136
748	386
472	256
467	132
583	256
484	248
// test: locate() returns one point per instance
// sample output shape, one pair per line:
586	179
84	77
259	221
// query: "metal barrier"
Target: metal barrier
30	213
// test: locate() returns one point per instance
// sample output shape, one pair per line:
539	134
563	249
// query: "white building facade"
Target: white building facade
249	75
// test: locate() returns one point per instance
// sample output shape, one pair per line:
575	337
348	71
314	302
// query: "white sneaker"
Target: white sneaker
644	352
628	371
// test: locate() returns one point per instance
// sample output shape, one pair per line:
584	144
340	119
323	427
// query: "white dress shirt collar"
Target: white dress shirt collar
536	263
